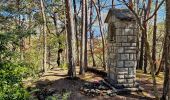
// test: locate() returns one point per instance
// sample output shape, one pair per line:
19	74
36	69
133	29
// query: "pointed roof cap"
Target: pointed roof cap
122	14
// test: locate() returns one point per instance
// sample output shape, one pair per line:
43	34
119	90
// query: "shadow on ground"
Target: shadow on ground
61	84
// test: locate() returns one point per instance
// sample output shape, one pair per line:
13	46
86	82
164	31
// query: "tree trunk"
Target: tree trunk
69	23
49	56
83	66
60	50
76	32
166	86
142	42
168	41
141	53
101	31
91	35
131	4
162	63
154	38
113	4
44	37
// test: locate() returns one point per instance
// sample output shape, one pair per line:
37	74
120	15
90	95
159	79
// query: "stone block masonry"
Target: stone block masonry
122	47
122	58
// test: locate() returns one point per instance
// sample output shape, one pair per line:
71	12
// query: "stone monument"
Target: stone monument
121	48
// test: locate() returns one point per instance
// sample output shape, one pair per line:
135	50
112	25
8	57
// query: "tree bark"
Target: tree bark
154	37
91	35
113	4
166	86
83	66
98	10
76	32
69	23
44	36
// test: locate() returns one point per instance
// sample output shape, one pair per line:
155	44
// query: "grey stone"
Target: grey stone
131	57
122	53
130	48
131	39
118	44
120	81
130	51
128	32
118	31
131	71
120	50
122	70
120	76
120	64
130	80
129	76
134	44
129	63
121	39
126	44
124	56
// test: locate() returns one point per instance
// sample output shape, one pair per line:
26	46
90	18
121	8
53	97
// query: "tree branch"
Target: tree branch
155	11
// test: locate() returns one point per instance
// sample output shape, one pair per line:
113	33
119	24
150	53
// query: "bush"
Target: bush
11	75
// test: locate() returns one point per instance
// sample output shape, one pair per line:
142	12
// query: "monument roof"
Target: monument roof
122	14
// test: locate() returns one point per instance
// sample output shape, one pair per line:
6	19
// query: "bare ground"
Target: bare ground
57	80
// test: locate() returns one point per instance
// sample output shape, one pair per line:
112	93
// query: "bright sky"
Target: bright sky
161	13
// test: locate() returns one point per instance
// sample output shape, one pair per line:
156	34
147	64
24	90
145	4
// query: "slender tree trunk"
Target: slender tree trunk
166	73
168	41
131	4
49	56
44	36
162	63
146	15
154	38
84	38
91	35
60	50
69	23
76	32
141	53
18	4
142	42
113	4
98	10
166	86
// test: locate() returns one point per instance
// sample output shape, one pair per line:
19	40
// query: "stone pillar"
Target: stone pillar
122	57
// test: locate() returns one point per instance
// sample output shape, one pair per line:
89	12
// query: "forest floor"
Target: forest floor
57	81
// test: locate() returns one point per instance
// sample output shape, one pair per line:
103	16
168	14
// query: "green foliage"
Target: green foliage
11	75
12	70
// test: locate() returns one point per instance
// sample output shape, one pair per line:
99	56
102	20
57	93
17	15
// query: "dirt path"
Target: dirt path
56	80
